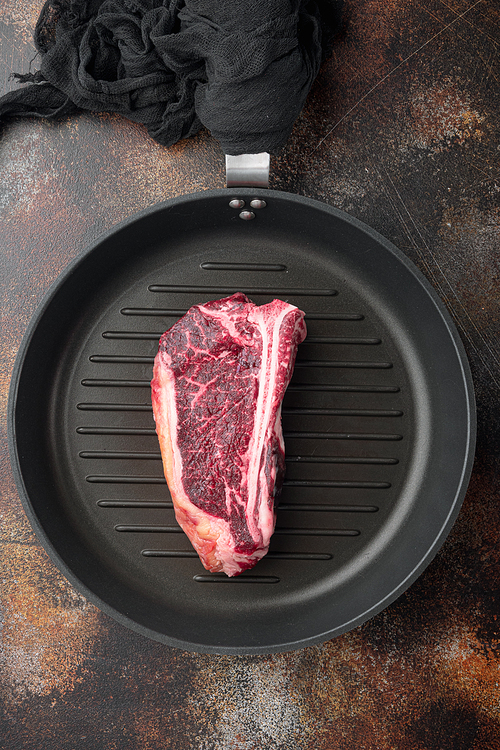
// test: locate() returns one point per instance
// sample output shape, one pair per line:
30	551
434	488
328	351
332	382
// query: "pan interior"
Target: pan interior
377	421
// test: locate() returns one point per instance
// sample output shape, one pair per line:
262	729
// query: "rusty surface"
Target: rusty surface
400	130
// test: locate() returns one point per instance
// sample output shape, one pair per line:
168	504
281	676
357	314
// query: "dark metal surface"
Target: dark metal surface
401	131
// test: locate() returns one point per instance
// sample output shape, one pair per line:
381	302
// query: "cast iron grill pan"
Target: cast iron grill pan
378	423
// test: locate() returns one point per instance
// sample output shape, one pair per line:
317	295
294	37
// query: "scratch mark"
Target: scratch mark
488	175
488	67
396	210
472	25
390	73
494	356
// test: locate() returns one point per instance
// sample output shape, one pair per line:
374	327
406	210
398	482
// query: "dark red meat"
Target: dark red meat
219	379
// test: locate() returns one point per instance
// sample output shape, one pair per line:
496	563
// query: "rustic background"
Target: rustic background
401	130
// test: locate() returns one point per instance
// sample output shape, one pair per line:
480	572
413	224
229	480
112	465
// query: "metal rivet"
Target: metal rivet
236	203
258	203
247	215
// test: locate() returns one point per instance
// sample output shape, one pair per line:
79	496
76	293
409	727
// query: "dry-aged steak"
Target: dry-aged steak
219	379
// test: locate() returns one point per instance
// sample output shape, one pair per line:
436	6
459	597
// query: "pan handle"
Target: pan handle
248	170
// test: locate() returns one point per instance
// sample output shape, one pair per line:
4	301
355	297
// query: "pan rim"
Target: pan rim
461	483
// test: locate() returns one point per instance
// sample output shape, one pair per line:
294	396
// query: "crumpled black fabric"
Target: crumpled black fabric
240	68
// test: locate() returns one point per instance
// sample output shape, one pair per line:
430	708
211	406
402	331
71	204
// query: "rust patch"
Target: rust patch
365	51
233	703
142	172
442	114
249	703
22	15
471	666
474	235
48	628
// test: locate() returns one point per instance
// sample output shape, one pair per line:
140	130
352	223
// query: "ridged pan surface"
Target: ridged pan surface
378	423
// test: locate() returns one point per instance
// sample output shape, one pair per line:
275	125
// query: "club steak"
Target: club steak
219	378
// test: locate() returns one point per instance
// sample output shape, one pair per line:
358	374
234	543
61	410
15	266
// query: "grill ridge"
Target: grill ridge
288	411
272	291
218	266
142	455
292	388
149	360
271	555
162	529
337	340
146	479
176	312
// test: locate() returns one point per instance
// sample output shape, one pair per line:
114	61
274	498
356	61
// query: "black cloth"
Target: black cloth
240	68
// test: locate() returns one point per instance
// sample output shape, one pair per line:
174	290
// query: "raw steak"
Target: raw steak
219	379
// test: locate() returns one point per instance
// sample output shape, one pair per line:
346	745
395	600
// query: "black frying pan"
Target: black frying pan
379	423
